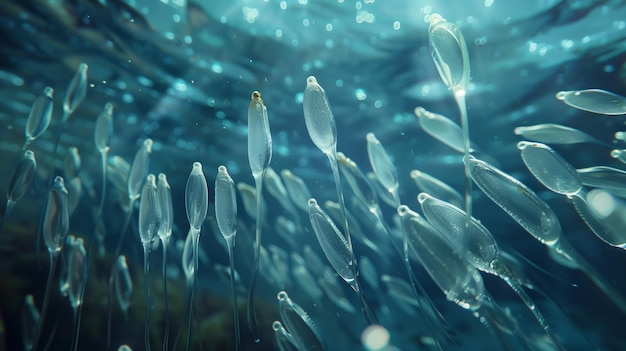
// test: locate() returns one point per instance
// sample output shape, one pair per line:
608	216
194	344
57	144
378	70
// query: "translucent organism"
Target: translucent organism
21	179
594	100
449	52
259	157
226	216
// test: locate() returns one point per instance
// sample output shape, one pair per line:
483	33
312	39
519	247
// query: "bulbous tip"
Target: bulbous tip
522	145
151	179
415	174
222	169
196	168
59	180
436	18
419	111
285	173
615	153
282	295
561	95
108	108
48	91
312	202
122	260
29	154
256	95
311	80
422	197
518	130
147	144
277	325
83	68
470	160
403	210
371	137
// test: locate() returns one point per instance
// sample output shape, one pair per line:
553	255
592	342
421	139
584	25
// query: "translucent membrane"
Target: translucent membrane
594	100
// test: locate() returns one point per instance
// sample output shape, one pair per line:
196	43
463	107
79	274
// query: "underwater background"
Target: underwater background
181	74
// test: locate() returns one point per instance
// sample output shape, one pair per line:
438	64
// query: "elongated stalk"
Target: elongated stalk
146	268
459	96
76	328
593	274
92	240
252	319
125	227
192	280
166	334
190	293
370	317
109	308
54	256
231	257
534	310
104	185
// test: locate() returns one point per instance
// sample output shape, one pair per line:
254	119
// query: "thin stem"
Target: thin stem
109	308
126	222
370	317
44	307
592	273
146	268
252	318
92	240
196	241
231	257
166	334
104	184
534	310
76	327
190	291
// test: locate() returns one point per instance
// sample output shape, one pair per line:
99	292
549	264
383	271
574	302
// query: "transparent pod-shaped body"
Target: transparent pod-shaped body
164	203
319	119
196	196
56	219
76	91
103	130
22	176
225	203
40	116
71	162
139	169
259	136
331	240
148	211
449	52
77	273
122	283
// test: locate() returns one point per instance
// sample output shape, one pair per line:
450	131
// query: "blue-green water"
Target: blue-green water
182	73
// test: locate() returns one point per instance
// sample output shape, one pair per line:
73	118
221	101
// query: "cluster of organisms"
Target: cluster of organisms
451	245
